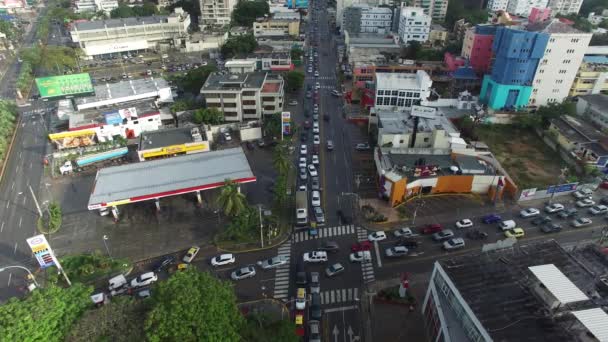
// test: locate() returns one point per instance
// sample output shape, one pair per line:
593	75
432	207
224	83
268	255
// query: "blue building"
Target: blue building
516	57
297	3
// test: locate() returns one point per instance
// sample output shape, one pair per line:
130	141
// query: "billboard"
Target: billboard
67	86
41	249
561	188
286	123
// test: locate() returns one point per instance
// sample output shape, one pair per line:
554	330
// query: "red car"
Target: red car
431	228
361	246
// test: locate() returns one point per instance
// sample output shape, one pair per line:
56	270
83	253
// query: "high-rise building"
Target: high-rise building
516	57
562	57
216	12
414	25
434	8
565	6
497	5
523	7
362	18
477	47
343	4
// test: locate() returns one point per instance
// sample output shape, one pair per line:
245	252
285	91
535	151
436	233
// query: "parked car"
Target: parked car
315	280
301	299
315	306
192	252
571	212
515	232
582	193
529	212
598	209
316	140
329	246
541	220
315	159
362	147
301	278
452	244
164	263
361	256
506	225
554	208
408	243
314	331
551	228
581	222
334	270
431	229
604	199
272	262
315	185
443	235
464	223
377	236
227	136
403	232
316	198
585	202
144	279
315	256
243	273
361	246
223	259
491	218
303	149
312	170
395	252
476	235
293	103
319	216
303	174
302	162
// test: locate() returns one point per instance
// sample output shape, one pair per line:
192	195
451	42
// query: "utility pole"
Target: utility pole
261	226
35	201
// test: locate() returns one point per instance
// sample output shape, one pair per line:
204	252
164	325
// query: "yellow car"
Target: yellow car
515	232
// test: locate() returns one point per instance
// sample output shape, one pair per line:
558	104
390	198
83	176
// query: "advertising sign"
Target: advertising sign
286	123
527	193
561	188
42	251
67	86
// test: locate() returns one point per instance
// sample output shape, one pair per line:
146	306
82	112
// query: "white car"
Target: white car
554	208
585	202
316	140
452	244
315	127
302	162
529	212
397	251
303	174
315	159
377	236
316	199
302	187
360	256
582	193
315	256
303	149
317	85
581	222
273	262
223	259
301	299
144	279
464	223
309	69
243	273
227	136
403	232
598	209
312	170
192	252
317	74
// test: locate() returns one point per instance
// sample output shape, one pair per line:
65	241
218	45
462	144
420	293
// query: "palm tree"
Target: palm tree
280	159
231	200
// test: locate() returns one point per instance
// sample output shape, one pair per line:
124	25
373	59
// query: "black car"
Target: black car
571	212
315	306
551	228
330	246
250	146
604	200
326	117
164	263
408	243
303	136
476	235
301	278
541	220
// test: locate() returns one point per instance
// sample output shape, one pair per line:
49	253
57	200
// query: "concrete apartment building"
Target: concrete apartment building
497	5
363	18
592	77
216	12
523	7
401	91
565	6
477	47
341	5
271	27
414	25
245	96
595	108
436	9
563	54
104	37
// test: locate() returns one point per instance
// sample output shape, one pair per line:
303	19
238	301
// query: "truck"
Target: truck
301	208
69	166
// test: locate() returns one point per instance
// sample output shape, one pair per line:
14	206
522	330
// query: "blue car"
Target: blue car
492	218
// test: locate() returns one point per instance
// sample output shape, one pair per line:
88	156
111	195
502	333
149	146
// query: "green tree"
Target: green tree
239	45
262	328
244	225
58	58
193	306
47	314
295	80
124	11
50	222
246	12
280	160
8	29
604	24
593	6
231	200
411	51
272	125
456	11
296	54
599	40
193	81
280	190
210	116
182	105
579	22
8	114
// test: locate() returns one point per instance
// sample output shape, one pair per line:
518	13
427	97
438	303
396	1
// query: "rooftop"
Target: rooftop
122	22
417	163
271	88
273	55
437	27
221	81
577	130
402	81
553	26
168	137
124	88
497	286
597	100
98	117
393	122
166	177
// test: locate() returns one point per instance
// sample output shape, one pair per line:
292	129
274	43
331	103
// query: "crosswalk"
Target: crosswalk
311	78
324	233
281	280
367	268
339	296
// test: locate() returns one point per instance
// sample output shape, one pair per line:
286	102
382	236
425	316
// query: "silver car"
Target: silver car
319	216
243	273
315	279
272	262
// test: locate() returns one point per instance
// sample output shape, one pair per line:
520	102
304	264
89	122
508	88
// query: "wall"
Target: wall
251	133
455	183
495	95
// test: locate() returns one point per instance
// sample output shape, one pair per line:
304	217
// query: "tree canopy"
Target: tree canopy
261	328
211	116
295	80
593	6
8	113
193	306
246	12
579	22
47	314
457	11
194	79
124	11
232	201
599	39
239	45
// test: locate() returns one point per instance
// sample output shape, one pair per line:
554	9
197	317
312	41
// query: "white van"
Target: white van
506	225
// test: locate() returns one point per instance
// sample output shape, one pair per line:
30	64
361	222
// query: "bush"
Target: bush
51	219
89	267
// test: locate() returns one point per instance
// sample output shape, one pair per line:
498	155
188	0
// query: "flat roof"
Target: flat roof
111	23
596	321
124	88
599	100
248	80
169	177
558	284
401	122
168	137
97	116
395	80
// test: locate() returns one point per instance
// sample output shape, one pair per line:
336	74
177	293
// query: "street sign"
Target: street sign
42	251
561	188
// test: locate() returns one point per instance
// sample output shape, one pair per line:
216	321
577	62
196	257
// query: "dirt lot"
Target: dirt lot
523	154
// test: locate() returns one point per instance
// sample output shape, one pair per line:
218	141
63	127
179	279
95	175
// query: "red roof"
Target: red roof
271	87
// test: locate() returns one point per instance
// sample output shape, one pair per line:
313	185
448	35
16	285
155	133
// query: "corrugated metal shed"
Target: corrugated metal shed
596	321
558	284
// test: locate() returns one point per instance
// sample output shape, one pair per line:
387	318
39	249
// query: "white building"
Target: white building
244	96
111	94
564	6
343	4
104	37
523	7
216	12
362	18
558	67
414	25
106	6
436	9
597	19
497	5
400	91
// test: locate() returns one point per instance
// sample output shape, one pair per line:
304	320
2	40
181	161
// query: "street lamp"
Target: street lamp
105	238
2	269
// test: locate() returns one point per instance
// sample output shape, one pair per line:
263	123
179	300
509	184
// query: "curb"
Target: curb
10	148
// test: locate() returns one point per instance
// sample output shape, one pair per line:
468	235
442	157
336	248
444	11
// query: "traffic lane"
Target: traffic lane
342	325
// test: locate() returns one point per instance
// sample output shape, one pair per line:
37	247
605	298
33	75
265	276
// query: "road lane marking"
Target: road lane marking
24	199
377	253
13	186
2	227
15	250
343	308
20	221
7	204
10	276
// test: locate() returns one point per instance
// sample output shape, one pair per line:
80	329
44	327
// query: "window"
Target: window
400	102
426	139
380	92
393	101
387	101
379	101
408	102
409	94
416	95
402	94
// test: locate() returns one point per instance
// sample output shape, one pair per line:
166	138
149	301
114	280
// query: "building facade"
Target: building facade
245	96
216	12
104	37
517	54
363	18
565	6
562	57
263	28
438	35
592	77
477	47
341	5
594	107
414	25
497	5
401	91
436	9
523	7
